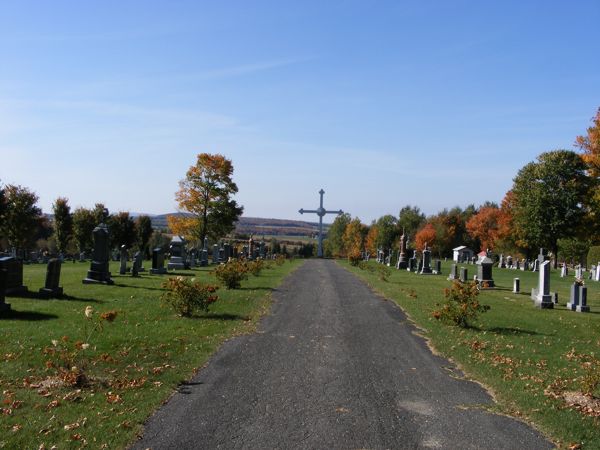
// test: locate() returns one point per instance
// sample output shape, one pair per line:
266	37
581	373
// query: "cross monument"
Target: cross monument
321	212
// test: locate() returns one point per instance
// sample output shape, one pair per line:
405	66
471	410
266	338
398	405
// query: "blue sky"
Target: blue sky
380	103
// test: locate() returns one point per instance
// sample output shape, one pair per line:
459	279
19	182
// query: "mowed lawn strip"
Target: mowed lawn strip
518	351
134	363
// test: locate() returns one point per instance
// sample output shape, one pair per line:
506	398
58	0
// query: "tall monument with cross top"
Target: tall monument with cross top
320	212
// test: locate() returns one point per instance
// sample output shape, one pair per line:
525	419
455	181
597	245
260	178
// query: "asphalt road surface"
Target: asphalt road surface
333	366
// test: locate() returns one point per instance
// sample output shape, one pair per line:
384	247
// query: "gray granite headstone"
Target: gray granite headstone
215	254
437	267
402	264
124	258
177	254
425	268
573	297
137	264
51	287
453	272
99	272
464	274
543	298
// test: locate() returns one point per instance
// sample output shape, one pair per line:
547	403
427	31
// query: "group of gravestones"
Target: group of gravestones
414	264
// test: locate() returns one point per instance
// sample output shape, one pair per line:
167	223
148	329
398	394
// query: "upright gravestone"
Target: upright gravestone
222	258
177	254
582	307
402	264
484	272
204	254
536	265
525	266
517	264
251	248
573	297
464	275
215	254
82	257
98	272
578	272
412	262
501	262
426	267
453	272
437	267
158	261
137	264
14	275
51	286
564	271
3	276
123	266
542	296
516	286
509	262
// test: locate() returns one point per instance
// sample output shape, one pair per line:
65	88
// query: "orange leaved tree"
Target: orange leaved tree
426	235
590	145
204	197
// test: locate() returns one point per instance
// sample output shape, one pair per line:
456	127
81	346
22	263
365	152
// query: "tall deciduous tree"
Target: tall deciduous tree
334	245
63	223
387	231
485	225
22	217
354	237
205	195
122	230
550	199
410	220
590	145
426	235
84	222
143	230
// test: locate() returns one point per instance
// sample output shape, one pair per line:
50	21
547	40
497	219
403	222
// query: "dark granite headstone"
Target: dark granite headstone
425	268
3	305
158	262
51	287
99	272
484	272
14	275
137	264
177	259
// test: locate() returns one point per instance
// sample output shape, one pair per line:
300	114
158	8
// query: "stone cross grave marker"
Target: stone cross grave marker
320	212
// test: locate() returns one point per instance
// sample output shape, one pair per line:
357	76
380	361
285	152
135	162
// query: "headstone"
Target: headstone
51	286
578	272
251	247
204	254
82	257
501	263
543	298
564	271
137	264
453	272
516	286
426	264
484	272
412	263
222	257
98	272
14	275
215	254
597	273
123	266
3	277
158	262
543	256
177	254
525	265
464	274
402	264
536	265
582	307
437	267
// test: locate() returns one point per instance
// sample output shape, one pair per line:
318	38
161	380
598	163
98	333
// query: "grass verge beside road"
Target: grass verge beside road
535	362
134	363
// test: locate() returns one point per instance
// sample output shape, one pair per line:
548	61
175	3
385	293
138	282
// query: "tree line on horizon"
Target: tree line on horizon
554	203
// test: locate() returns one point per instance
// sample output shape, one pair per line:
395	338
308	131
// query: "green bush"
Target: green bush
187	295
460	305
232	273
593	256
354	258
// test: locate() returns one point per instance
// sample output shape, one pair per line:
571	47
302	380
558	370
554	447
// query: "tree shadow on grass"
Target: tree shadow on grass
30	316
507	331
220	316
33	295
138	287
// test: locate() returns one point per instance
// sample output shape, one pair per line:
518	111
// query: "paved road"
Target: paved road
334	366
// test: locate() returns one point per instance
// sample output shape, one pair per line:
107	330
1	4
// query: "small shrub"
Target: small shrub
232	273
460	305
256	266
354	258
364	265
280	260
187	295
383	272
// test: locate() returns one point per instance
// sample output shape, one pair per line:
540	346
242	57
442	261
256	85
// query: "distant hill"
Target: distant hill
259	226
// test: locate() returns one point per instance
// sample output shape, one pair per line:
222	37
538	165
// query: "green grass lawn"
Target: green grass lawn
515	349
134	363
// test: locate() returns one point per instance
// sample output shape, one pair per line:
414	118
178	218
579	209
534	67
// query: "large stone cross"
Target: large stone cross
321	212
